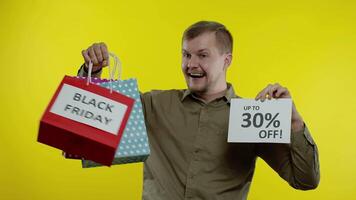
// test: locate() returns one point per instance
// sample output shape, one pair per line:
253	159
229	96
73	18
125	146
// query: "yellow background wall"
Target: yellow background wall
308	46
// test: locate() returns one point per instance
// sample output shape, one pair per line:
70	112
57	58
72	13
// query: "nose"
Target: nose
192	62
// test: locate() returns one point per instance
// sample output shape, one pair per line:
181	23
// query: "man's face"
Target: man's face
203	65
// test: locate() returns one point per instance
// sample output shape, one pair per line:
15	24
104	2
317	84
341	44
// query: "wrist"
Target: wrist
297	125
93	72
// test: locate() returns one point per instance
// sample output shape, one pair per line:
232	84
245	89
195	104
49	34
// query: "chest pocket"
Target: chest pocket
213	129
216	120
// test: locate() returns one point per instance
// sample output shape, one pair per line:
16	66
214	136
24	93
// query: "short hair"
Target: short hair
222	35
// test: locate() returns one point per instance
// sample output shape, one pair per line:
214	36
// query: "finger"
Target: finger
105	63
105	53
259	95
86	57
98	53
262	95
280	92
266	92
272	90
92	56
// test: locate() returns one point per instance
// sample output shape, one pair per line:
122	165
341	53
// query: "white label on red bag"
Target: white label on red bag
89	108
260	122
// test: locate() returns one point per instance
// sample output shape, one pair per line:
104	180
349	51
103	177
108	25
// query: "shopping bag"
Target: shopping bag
96	81
134	146
85	119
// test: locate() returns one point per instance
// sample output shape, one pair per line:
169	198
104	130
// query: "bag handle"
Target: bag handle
117	65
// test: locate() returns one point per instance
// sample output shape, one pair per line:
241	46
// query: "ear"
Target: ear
227	60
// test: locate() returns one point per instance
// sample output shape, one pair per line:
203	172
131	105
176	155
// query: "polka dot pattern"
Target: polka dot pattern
134	145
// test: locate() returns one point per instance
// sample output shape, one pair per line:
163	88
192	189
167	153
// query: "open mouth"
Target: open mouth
196	74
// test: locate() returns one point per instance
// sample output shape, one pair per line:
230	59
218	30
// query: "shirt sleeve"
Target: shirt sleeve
81	72
297	163
146	99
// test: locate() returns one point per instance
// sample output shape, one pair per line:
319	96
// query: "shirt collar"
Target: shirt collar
229	94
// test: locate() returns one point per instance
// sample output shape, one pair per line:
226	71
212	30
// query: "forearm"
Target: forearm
297	163
304	161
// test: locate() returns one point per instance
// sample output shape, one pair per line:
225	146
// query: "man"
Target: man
187	129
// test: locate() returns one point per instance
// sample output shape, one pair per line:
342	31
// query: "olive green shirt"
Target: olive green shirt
191	158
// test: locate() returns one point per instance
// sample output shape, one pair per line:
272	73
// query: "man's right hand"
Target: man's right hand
98	54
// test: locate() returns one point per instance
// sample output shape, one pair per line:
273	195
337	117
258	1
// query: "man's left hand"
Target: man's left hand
277	91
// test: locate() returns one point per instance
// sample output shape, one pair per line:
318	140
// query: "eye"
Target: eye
203	55
186	55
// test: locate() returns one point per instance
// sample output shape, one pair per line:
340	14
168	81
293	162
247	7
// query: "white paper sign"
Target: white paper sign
254	121
89	108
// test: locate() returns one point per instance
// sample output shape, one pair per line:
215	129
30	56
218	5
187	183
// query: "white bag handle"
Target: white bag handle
117	65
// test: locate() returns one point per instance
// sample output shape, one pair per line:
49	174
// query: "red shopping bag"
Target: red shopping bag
85	119
96	81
